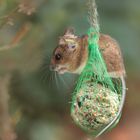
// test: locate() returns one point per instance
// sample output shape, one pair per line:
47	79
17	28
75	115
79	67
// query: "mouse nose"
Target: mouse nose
52	67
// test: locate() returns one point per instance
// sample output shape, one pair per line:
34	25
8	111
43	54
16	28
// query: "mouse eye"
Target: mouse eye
58	56
72	46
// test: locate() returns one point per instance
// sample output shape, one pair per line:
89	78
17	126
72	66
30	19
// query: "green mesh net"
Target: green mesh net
96	98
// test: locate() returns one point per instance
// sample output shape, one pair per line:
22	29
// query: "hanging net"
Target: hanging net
96	98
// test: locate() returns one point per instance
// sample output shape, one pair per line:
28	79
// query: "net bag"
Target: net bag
96	102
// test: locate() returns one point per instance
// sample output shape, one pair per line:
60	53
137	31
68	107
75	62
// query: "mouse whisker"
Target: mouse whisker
56	80
63	81
44	76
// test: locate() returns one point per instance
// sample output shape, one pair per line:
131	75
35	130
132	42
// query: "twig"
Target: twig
7	17
6	128
17	38
27	8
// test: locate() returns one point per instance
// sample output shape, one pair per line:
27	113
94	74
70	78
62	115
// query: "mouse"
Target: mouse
71	54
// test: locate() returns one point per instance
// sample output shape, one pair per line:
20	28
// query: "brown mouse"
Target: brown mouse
71	54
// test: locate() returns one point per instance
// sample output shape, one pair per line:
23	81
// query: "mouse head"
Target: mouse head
71	53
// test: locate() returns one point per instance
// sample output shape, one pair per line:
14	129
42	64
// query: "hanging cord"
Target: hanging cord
93	15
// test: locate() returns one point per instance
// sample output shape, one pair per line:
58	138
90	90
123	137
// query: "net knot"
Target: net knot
93	36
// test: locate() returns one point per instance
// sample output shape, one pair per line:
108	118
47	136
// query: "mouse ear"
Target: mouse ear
85	40
62	40
69	31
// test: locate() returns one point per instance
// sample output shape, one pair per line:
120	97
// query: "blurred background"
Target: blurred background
34	102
